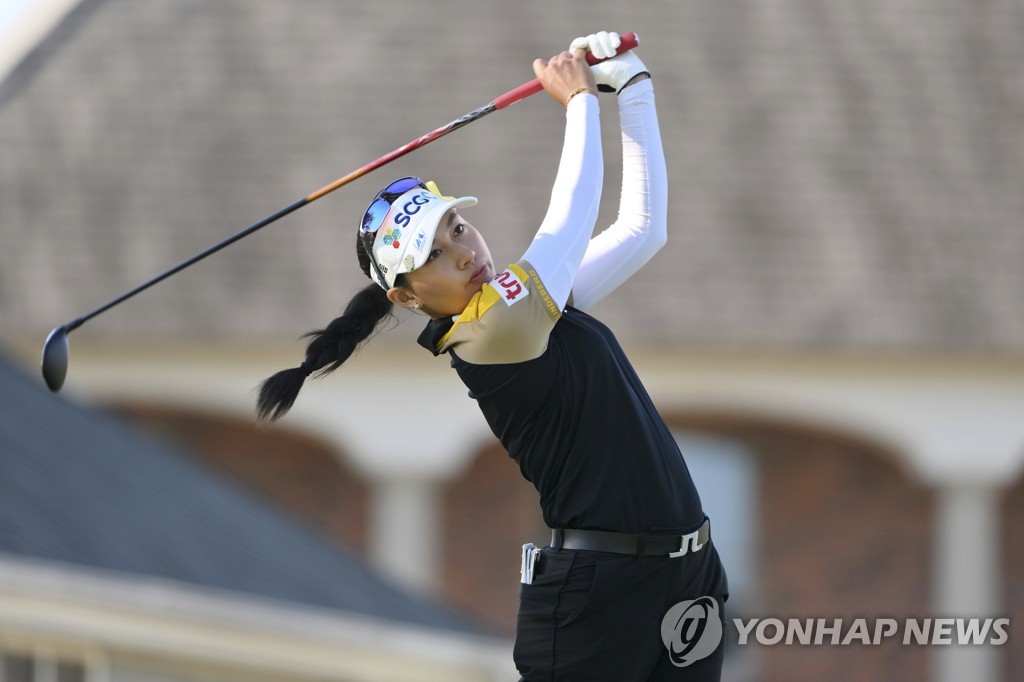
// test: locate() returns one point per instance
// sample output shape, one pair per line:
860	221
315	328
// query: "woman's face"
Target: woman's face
458	267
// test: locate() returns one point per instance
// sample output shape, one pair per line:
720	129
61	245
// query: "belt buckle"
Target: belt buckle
687	544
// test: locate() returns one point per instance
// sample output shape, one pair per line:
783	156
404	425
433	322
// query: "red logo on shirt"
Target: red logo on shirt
509	286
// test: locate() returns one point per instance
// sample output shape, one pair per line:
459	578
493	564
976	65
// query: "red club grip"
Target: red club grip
629	41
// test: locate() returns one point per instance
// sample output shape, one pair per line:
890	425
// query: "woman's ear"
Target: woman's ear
404	298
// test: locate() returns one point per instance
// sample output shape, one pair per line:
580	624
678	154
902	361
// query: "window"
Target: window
21	667
17	669
725	473
726	477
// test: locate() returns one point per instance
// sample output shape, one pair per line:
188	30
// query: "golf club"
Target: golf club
55	349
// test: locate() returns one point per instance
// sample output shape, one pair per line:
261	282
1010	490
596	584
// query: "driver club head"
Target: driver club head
55	358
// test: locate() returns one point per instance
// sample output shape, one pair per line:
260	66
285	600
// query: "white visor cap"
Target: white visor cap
404	241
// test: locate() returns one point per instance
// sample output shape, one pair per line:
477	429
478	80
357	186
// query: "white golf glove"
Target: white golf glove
613	74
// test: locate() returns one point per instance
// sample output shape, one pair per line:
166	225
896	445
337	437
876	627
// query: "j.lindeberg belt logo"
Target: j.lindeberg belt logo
689	543
691	630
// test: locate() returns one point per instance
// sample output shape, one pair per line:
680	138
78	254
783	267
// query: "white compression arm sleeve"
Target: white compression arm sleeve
561	241
641	227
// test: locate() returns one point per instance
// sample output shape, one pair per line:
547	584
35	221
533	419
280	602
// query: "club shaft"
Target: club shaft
629	41
326	189
474	115
77	322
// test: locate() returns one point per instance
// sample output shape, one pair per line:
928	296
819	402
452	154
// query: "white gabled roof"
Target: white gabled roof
193	626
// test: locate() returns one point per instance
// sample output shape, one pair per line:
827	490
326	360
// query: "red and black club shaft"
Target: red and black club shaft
55	350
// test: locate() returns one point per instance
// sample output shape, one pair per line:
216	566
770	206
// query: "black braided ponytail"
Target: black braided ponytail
329	347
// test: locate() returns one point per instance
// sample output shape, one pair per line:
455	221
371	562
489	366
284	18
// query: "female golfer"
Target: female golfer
630	540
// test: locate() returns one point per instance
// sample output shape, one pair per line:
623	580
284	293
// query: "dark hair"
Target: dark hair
329	347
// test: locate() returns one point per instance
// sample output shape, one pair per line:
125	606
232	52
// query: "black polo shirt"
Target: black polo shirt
576	417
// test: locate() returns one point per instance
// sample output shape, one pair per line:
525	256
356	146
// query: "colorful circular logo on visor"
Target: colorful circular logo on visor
391	237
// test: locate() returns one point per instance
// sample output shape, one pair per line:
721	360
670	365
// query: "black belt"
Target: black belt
638	545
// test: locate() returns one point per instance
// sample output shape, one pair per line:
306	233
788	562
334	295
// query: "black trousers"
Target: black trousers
597	616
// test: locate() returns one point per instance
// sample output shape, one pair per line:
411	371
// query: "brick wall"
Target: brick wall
300	473
489	513
844	534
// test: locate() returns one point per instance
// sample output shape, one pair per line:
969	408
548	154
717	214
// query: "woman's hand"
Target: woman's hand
616	72
564	74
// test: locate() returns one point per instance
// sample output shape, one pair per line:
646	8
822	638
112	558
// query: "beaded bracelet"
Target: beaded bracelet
578	91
